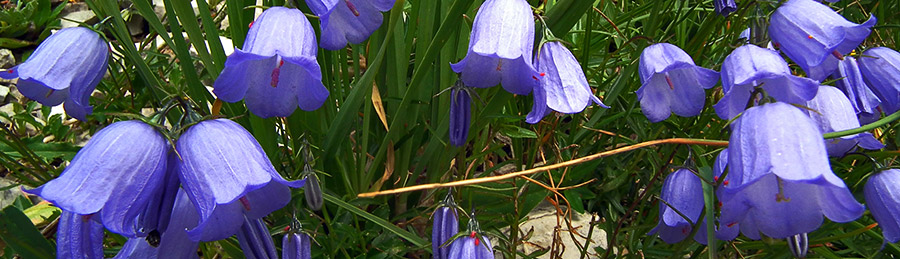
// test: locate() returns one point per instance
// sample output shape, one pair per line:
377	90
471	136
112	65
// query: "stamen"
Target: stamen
779	197
251	25
837	54
85	218
669	81
809	36
245	203
352	7
731	224
276	72
499	64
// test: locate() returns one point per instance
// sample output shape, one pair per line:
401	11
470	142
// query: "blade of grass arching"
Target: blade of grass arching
339	130
186	17
110	8
417	241
264	131
565	13
195	87
212	34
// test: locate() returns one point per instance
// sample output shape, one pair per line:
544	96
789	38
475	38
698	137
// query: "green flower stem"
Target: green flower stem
867	127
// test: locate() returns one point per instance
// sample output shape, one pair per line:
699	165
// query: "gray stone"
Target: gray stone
8	195
542	222
7	60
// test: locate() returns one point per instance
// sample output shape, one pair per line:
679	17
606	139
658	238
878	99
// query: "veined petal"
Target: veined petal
243	70
852	84
504	28
282	30
64	58
351	21
684	192
322	7
832	111
305	77
226	219
883	200
256	240
468	247
563	80
174	241
78	237
41	93
880	68
539	107
295	246
460	114
127	159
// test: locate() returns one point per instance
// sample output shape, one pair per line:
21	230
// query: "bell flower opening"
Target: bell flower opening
671	83
562	85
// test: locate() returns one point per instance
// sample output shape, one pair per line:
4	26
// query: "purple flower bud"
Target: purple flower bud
724	7
227	176
67	66
345	21
880	68
500	48
116	174
814	36
256	240
750	66
672	83
460	115
562	83
445	225
313	192
831	111
78	236
471	247
295	245
799	245
852	84
173	242
883	200
276	71
684	192
779	180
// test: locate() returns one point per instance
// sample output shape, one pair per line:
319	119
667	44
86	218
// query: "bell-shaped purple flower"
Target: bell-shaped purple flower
724	7
471	247
562	83
78	236
173	243
116	174
345	21
445	224
460	116
780	182
276	71
880	68
296	245
883	199
256	240
851	83
155	219
227	176
750	66
500	48
684	192
814	36
672	83
67	66
831	111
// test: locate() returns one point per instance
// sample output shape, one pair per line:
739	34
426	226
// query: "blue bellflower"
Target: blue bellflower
67	66
276	71
445	224
562	85
780	182
296	245
850	81
256	240
78	236
116	174
460	116
831	110
724	7
814	36
500	48
670	82
227	176
173	242
880	68
883	199
684	192
750	66
471	247
345	21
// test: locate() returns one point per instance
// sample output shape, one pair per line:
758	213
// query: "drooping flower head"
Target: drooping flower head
780	182
227	176
684	192
471	246
562	85
672	83
445	224
256	240
850	81
78	236
750	66
173	242
116	174
296	245
724	7
814	36
883	200
345	21
831	111
67	66
460	115
880	68
500	48
276	70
